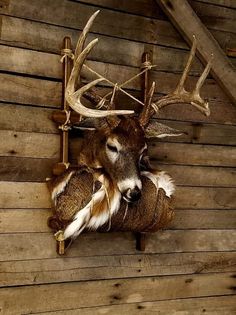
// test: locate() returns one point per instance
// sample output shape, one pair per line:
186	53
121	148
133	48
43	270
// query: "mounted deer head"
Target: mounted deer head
114	153
116	140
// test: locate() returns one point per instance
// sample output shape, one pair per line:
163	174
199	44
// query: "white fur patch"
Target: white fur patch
83	218
165	182
129	183
161	180
60	187
79	223
114	142
112	156
97	221
144	148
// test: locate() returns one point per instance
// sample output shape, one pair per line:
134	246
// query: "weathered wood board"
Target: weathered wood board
56	270
113	292
210	305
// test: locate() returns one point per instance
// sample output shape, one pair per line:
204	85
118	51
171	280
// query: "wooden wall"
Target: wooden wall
188	268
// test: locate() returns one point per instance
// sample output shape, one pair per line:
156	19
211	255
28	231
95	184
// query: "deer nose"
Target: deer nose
132	195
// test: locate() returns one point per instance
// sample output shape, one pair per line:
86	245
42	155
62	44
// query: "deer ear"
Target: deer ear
158	130
87	124
104	125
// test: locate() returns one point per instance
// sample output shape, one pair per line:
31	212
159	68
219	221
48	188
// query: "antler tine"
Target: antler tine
74	97
184	76
180	95
203	77
78	64
83	35
147	110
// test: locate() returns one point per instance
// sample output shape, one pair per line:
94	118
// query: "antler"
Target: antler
73	97
180	95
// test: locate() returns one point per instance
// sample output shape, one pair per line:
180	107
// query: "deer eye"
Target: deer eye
112	148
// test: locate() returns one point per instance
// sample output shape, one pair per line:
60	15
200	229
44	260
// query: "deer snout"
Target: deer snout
132	195
130	189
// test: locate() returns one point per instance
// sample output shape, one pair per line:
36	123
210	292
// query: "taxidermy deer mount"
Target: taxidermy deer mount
114	187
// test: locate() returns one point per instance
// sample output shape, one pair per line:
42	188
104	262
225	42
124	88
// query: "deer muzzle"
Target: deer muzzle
130	189
132	195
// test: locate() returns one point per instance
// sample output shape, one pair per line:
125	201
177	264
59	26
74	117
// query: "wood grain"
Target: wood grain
144	7
108	49
192	154
223	3
24	195
25	144
205	198
26	90
27	118
112	23
48	38
24	246
200	175
65	269
24	169
112	292
150	9
210	305
204	219
215	17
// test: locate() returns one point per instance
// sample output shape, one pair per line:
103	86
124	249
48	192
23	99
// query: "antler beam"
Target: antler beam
73	97
180	95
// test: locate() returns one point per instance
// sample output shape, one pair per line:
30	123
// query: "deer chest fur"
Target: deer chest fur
76	188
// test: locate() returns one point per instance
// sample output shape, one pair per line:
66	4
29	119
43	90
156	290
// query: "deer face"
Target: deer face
116	146
122	153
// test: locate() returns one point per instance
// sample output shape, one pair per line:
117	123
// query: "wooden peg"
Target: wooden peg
60	242
141	241
67	62
145	80
145	85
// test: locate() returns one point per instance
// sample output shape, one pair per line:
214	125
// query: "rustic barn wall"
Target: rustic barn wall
189	267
